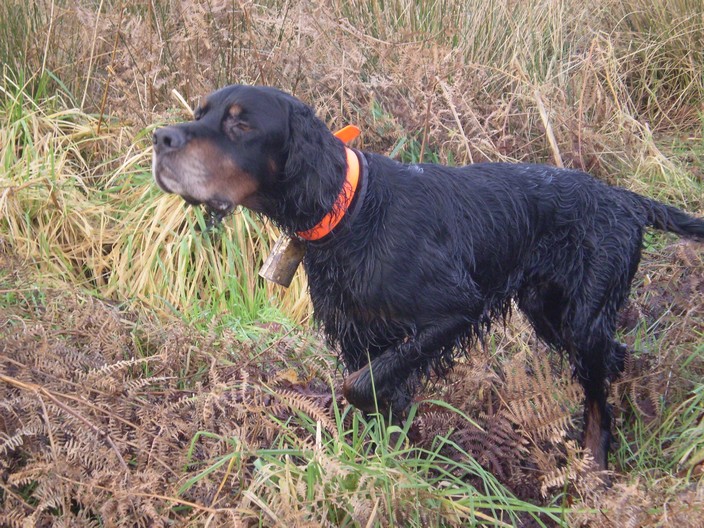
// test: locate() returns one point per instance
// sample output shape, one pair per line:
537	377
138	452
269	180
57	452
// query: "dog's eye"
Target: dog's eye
235	126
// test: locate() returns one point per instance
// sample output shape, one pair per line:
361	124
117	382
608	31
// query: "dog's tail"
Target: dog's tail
668	218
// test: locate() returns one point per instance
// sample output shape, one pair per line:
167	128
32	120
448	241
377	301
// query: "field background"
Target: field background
150	378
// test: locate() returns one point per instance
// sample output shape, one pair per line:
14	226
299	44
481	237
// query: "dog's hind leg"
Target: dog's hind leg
390	379
594	373
597	420
597	358
595	370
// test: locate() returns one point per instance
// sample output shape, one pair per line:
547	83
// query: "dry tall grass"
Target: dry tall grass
80	204
582	84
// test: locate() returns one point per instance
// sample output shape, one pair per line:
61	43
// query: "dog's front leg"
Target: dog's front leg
389	380
384	383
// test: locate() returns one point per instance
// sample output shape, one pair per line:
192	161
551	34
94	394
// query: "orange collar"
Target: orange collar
344	199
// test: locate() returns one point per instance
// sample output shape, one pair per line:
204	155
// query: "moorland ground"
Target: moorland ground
149	377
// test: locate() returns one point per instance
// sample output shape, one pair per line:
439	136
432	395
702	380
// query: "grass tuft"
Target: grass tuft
119	235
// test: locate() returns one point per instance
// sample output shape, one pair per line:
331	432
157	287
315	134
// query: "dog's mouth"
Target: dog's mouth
217	210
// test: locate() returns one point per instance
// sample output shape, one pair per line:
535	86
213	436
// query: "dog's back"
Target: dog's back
433	239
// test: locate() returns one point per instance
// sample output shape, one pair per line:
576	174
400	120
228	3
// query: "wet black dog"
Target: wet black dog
409	264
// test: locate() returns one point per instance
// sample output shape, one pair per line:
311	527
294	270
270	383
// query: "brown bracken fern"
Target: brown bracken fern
110	417
99	416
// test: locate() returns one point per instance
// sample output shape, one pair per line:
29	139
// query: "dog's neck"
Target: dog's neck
341	205
312	175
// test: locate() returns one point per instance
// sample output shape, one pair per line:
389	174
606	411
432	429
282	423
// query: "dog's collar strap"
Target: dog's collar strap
344	199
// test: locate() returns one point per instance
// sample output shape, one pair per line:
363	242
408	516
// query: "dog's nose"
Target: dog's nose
169	138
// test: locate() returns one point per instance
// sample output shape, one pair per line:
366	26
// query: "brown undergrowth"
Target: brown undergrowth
110	416
104	417
576	84
114	419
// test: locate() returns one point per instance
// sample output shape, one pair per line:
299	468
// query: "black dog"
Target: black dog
409	264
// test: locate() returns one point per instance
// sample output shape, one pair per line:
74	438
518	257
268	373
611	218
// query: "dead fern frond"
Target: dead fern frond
430	425
17	514
579	471
539	401
641	384
101	377
305	405
469	386
12	442
540	418
497	446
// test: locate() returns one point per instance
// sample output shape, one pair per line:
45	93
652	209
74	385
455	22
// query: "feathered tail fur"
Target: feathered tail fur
667	218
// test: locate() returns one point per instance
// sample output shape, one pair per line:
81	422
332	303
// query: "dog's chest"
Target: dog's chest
351	284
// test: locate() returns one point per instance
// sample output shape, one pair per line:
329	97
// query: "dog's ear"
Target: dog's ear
313	152
315	164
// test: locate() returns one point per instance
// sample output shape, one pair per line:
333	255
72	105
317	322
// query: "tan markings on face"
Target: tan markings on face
200	109
200	171
235	110
234	126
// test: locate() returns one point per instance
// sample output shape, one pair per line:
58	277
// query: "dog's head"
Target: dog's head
256	147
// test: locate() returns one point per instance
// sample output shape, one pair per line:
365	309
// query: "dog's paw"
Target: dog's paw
359	391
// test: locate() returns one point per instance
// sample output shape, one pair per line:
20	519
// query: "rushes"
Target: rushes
82	210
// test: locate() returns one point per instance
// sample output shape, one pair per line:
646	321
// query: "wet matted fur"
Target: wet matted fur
428	256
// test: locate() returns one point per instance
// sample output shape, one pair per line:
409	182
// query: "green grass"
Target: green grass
369	465
673	441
